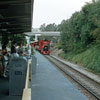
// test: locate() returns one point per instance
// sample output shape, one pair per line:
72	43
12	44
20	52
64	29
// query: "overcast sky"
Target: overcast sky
54	11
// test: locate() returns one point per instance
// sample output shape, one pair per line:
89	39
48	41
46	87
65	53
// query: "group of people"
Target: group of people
17	52
6	56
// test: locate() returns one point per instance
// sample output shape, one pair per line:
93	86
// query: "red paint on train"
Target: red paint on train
43	46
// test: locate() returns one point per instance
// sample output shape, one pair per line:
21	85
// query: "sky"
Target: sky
54	11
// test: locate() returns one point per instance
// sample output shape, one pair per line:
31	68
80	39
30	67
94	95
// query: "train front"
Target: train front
45	47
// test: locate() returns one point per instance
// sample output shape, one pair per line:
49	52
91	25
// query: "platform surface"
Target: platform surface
4	90
49	84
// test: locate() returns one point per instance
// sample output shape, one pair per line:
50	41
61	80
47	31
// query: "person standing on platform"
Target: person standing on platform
5	63
29	51
21	49
4	60
14	50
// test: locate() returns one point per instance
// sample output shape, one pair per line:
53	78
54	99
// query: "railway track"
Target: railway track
86	82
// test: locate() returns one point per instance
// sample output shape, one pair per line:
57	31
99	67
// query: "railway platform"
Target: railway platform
49	84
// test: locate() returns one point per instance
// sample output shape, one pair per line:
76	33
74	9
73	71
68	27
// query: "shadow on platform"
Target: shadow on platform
4	90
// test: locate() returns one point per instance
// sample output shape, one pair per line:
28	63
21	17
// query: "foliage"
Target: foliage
17	37
32	38
49	27
82	29
89	58
42	27
3	38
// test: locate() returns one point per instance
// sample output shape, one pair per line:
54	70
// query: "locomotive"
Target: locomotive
43	46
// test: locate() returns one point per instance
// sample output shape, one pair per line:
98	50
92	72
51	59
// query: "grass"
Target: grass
89	58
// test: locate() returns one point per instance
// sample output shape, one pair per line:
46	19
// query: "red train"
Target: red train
43	46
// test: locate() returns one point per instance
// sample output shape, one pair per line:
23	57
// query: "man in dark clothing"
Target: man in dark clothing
13	47
14	50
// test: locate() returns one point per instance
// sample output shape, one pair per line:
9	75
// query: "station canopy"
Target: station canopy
16	16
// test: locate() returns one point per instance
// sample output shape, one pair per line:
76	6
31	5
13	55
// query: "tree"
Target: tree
82	29
49	27
42	27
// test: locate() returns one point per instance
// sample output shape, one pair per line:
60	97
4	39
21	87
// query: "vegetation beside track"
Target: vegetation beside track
89	58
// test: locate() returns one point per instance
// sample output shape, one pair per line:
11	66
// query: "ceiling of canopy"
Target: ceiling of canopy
16	16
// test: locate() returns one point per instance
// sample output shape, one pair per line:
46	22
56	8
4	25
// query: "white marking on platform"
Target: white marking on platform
34	85
37	64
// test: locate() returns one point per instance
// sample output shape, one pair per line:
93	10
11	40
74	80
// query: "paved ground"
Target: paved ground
4	90
49	84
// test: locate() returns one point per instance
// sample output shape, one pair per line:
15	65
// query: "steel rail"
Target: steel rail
92	79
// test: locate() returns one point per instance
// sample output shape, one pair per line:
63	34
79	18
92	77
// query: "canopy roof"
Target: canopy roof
16	16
